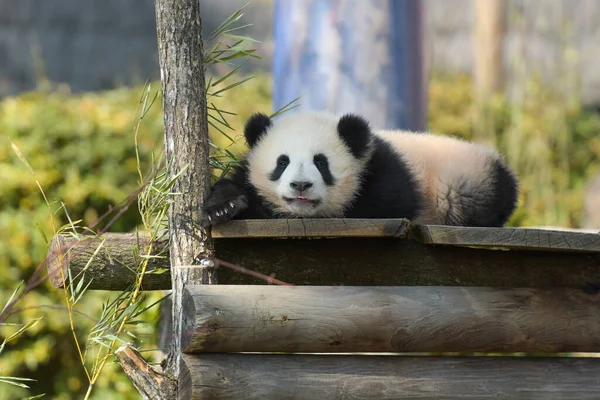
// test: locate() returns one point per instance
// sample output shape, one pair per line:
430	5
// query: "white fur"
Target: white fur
442	165
300	136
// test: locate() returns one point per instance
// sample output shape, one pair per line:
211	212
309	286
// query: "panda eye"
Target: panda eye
320	161
283	161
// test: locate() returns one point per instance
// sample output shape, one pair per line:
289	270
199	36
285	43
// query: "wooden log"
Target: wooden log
339	377
152	384
325	319
109	261
364	254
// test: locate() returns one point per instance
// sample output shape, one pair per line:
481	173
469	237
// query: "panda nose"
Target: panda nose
300	186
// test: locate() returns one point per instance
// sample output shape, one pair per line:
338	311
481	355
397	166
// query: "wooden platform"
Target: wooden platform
376	287
357	252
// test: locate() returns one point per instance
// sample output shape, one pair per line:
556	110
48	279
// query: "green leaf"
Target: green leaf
16	381
41	231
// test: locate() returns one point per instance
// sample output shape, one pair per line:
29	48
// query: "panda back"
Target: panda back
463	183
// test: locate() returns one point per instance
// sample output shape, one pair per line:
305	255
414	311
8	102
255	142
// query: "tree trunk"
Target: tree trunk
179	32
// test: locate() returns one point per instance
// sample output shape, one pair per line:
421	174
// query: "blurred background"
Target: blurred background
518	74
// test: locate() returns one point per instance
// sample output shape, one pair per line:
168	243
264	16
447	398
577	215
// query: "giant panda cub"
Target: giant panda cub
318	165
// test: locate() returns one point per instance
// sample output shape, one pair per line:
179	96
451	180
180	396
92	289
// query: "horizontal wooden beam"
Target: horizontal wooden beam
108	261
509	238
325	319
312	228
374	253
260	376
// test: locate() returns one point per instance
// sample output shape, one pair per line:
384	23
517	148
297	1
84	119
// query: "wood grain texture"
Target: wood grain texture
356	262
312	228
151	384
181	62
113	261
511	238
325	319
338	377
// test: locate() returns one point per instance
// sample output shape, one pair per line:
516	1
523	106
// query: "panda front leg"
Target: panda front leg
226	200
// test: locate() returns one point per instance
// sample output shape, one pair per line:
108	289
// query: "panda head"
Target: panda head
308	164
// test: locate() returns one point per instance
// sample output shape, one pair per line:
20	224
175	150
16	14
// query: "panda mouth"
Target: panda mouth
302	200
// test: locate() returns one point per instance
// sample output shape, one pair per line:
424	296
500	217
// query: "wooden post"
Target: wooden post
179	32
591	217
488	66
489	46
352	56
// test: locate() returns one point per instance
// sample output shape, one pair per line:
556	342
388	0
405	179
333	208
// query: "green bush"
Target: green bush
82	152
81	148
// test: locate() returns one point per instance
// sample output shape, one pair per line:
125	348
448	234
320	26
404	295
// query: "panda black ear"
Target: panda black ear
256	126
356	133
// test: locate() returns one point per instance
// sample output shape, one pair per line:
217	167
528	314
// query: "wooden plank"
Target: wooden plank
312	228
338	377
563	229
342	261
510	238
325	319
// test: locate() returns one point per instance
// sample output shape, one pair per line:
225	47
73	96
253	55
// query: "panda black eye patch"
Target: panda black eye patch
282	163
322	164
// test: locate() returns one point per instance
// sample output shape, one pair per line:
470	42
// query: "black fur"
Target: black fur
235	190
388	190
355	132
497	209
322	164
484	209
281	165
256	126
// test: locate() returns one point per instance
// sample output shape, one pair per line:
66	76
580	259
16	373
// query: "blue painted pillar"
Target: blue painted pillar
363	56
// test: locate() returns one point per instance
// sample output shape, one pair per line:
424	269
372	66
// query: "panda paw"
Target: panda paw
222	210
